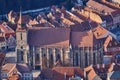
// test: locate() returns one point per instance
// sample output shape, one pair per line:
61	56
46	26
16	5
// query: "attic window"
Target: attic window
97	34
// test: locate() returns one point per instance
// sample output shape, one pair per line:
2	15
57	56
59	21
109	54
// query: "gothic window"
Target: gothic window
22	53
76	57
37	58
44	61
94	58
86	59
58	57
51	60
43	50
57	51
21	36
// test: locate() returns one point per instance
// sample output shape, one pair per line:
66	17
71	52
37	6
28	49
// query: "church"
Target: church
47	47
43	46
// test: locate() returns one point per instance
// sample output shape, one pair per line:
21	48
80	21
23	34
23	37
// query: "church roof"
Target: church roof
49	37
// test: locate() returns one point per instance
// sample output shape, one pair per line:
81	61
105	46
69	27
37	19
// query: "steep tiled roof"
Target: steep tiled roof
11	67
25	19
59	73
78	14
84	26
67	22
82	39
115	13
45	37
11	25
23	68
8	68
99	6
100	32
7	30
14	77
46	73
110	4
69	71
91	73
33	22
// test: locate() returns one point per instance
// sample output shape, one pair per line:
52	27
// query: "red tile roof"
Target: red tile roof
82	39
49	37
99	32
11	67
7	30
110	4
91	72
115	13
58	73
99	6
23	68
14	77
67	22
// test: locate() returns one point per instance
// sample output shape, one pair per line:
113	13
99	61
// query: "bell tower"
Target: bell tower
22	48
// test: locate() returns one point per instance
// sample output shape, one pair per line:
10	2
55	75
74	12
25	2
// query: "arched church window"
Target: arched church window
58	57
86	59
76	57
51	60
22	53
94	58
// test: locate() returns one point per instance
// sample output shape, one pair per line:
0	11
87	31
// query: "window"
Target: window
21	36
4	75
27	76
76	57
94	58
37	58
86	59
58	57
22	54
51	60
